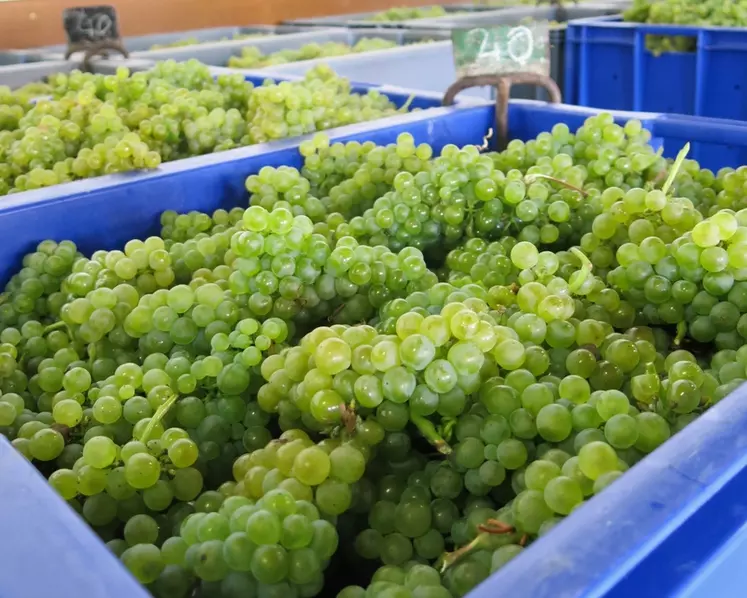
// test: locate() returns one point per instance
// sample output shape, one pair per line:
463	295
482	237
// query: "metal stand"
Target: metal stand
95	49
502	85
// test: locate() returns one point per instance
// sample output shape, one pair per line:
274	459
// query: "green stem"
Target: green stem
486	140
406	105
52	327
480	542
676	167
157	417
447	427
586	267
429	432
91	354
681	331
530	178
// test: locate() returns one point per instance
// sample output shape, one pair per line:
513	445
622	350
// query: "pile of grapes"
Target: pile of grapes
695	13
406	13
82	125
252	57
431	360
193	41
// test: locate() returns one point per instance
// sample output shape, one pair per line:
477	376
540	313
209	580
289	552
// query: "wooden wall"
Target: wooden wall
31	23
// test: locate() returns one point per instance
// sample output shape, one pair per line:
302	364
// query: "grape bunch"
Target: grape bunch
193	41
405	13
683	12
431	360
81	125
252	57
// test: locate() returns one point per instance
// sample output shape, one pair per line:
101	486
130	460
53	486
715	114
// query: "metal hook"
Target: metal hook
502	84
95	49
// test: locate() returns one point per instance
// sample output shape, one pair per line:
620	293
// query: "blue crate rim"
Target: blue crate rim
616	22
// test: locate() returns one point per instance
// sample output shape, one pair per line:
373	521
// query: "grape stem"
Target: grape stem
53	327
348	417
530	178
676	167
681	331
58	326
157	417
406	105
586	267
645	403
486	140
336	312
490	528
446	429
429	432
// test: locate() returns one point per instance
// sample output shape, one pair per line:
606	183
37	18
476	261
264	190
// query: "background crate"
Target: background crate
426	66
140	43
217	54
17	75
613	69
362	19
516	14
9	57
645	536
432	67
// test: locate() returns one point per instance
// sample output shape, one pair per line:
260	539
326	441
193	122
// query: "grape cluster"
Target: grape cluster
406	13
683	12
81	125
432	360
414	580
252	57
193	41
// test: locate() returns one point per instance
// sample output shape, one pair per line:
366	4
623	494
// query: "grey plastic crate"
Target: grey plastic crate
431	67
363	19
513	15
9	57
217	54
141	43
17	75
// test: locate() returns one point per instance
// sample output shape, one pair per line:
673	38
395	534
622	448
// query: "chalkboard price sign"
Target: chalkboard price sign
89	25
502	49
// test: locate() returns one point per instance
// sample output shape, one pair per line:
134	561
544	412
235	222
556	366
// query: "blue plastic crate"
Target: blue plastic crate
608	66
46	549
669	518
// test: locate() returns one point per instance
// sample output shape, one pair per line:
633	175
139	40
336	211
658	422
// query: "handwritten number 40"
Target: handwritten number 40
96	26
519	47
